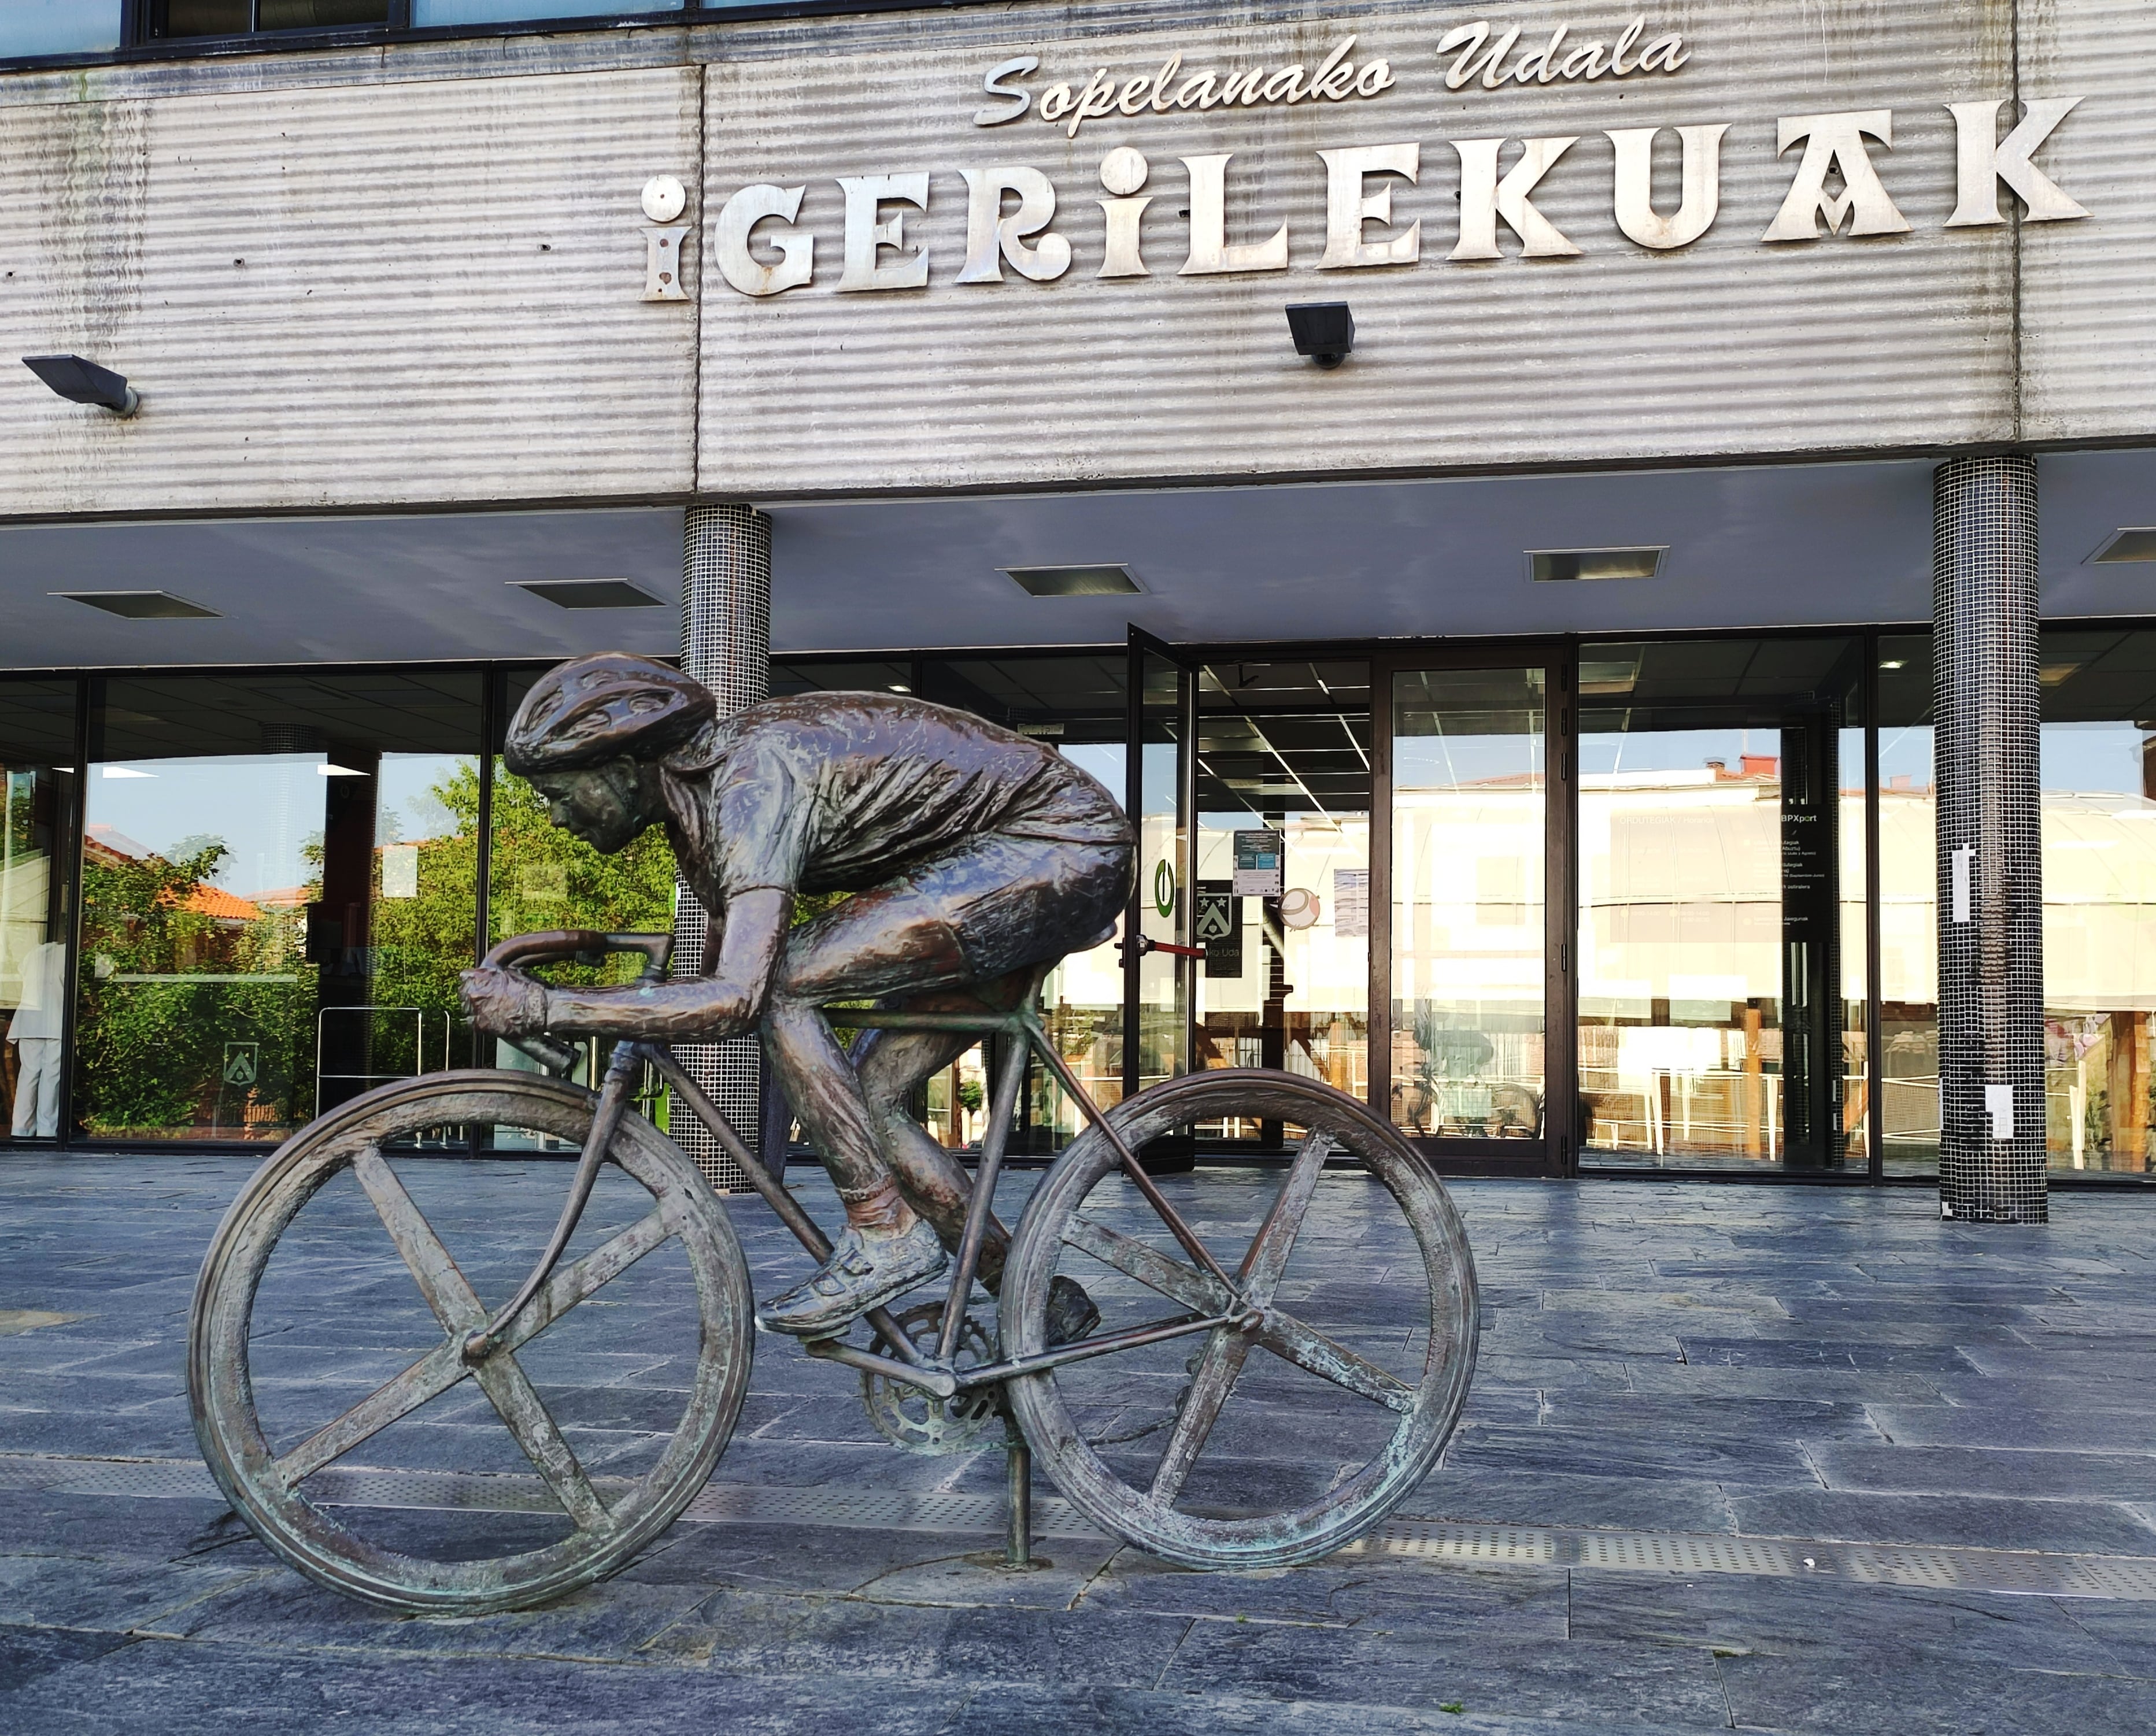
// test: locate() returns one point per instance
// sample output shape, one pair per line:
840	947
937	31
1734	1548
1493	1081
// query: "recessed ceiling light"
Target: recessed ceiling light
1114	580
333	771
1891	663
1619	675
140	605
899	687
1548	566
126	772
590	593
2128	545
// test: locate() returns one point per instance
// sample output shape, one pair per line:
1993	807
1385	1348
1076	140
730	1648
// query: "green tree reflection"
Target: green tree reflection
198	1009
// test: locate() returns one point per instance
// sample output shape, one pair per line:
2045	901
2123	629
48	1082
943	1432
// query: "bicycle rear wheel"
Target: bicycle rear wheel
1347	1377
334	1267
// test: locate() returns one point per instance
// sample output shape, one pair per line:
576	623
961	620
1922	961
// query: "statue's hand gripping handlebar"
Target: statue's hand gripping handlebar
586	945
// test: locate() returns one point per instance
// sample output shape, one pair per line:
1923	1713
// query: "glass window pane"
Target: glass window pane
38	792
1283	768
59	27
2099	816
1469	799
1908	911
277	896
501	11
1163	867
1721	886
318	14
202	17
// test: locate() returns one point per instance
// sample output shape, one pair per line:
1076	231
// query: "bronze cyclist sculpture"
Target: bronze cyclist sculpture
974	859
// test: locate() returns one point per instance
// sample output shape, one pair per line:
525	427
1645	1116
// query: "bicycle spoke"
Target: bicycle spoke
455	1304
1267	1258
444	1366
1291	1341
1218	1366
447	1291
573	1283
433	1374
529	1421
1196	1290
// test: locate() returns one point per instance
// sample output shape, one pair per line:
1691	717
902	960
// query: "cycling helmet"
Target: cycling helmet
593	709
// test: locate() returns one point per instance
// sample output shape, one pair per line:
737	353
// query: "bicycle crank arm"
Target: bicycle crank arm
937	1383
994	1373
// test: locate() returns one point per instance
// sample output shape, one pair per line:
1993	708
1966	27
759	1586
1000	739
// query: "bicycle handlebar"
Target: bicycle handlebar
588	944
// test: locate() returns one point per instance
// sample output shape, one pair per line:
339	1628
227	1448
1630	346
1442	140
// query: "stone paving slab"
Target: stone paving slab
1745	1361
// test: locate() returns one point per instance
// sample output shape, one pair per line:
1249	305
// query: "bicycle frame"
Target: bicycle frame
936	1375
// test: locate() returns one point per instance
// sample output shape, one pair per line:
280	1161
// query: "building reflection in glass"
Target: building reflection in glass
1284	751
1721	823
1470	816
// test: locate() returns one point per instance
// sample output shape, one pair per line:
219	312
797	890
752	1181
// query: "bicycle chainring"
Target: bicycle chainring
911	1420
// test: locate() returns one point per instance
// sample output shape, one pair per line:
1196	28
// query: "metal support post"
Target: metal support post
725	643
1990	864
1018	1480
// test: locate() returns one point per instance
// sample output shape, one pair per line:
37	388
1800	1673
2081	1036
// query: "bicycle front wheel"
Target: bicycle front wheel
445	1488
1279	1437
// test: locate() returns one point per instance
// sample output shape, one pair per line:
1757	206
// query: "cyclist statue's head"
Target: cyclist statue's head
590	735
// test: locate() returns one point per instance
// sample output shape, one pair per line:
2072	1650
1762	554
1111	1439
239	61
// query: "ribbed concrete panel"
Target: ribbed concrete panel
1729	347
2087	345
420	291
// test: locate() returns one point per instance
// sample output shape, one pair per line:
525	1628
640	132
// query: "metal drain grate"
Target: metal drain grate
157	1479
877	1510
2130	1578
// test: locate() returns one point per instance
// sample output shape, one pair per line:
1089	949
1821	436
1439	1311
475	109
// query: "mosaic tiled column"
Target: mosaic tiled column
725	643
1990	869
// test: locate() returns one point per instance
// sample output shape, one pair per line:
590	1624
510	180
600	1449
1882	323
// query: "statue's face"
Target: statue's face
602	805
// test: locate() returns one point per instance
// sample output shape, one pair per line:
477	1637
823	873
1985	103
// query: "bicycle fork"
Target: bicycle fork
613	1104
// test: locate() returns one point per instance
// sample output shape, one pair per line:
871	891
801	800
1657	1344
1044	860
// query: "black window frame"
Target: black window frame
138	45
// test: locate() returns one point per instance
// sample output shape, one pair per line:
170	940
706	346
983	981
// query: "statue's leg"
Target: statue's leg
818	1081
876	943
1016	902
891	1063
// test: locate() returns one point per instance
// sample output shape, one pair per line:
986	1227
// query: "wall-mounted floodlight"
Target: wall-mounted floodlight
81	381
1323	330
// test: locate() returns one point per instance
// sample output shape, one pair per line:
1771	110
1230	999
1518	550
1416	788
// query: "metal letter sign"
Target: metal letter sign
1260	859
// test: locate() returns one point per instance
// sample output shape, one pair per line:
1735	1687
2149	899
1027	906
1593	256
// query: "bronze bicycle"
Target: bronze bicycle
1347	1351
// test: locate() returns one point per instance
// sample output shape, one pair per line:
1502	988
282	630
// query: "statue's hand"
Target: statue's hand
504	1003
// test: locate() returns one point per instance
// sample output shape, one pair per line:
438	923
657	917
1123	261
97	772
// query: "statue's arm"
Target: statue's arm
689	1010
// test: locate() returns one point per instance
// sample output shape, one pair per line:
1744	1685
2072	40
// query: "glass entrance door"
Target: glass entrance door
1281	872
1470	1067
1721	874
1158	969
